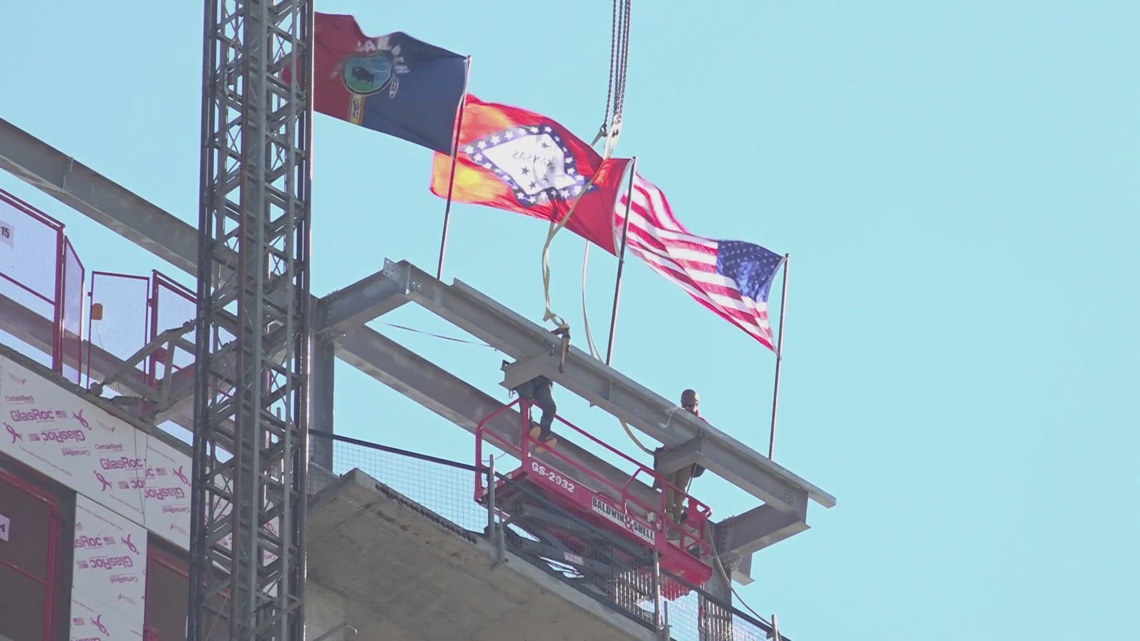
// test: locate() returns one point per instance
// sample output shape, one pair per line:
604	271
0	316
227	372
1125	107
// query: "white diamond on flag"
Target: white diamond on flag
535	163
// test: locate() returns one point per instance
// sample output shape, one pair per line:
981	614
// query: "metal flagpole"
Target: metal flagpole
779	359
451	180
621	261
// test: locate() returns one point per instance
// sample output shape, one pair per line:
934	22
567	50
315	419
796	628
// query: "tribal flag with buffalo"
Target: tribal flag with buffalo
521	161
731	278
393	83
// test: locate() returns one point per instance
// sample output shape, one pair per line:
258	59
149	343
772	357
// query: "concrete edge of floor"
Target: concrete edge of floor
365	489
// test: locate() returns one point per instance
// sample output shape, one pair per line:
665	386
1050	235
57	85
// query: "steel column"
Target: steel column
251	421
322	383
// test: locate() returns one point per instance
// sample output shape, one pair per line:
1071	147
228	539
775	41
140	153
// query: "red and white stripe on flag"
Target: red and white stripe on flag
690	261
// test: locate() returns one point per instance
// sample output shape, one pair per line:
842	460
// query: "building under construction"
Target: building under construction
182	478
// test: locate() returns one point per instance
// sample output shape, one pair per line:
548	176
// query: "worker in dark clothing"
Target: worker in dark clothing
680	479
538	391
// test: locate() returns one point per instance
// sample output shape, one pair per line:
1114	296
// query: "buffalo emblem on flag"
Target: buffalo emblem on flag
365	75
376	65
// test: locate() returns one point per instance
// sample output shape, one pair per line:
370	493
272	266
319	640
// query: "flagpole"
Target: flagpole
779	359
621	261
451	180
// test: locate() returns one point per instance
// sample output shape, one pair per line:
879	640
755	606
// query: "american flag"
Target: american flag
732	278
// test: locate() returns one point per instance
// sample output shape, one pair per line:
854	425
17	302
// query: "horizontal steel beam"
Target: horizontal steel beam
529	368
455	400
609	389
464	405
175	242
100	199
758	528
360	302
671	459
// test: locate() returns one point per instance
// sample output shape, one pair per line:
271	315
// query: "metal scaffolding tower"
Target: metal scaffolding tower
252	336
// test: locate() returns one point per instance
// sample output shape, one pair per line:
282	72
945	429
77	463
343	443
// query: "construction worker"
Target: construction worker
680	479
538	391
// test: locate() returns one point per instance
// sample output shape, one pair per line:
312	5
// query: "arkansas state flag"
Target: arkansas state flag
513	159
394	84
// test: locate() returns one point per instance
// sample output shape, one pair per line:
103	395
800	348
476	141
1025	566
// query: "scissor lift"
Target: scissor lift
576	518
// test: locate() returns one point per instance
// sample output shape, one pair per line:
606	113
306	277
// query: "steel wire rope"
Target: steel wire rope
441	336
728	582
603	130
619	64
620	78
619	58
619	51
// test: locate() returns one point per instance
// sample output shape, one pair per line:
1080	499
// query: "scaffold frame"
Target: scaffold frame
252	336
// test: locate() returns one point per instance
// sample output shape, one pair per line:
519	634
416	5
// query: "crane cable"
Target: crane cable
611	131
602	130
619	58
620	78
619	52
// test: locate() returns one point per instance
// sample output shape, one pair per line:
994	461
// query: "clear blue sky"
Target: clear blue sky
956	183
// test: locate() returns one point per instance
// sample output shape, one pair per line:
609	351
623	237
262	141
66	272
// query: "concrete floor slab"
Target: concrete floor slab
409	577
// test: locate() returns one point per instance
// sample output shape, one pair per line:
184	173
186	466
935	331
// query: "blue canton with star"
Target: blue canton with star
751	266
532	185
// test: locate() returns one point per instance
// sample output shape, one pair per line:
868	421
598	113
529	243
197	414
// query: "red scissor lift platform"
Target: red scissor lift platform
577	518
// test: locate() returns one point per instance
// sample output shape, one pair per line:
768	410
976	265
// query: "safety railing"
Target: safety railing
587	556
700	616
117	327
72	282
142	324
631	585
427	480
692	532
173	306
142	333
129	336
41	286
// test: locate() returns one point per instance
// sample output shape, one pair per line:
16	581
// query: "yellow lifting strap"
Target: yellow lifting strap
634	438
555	227
563	327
